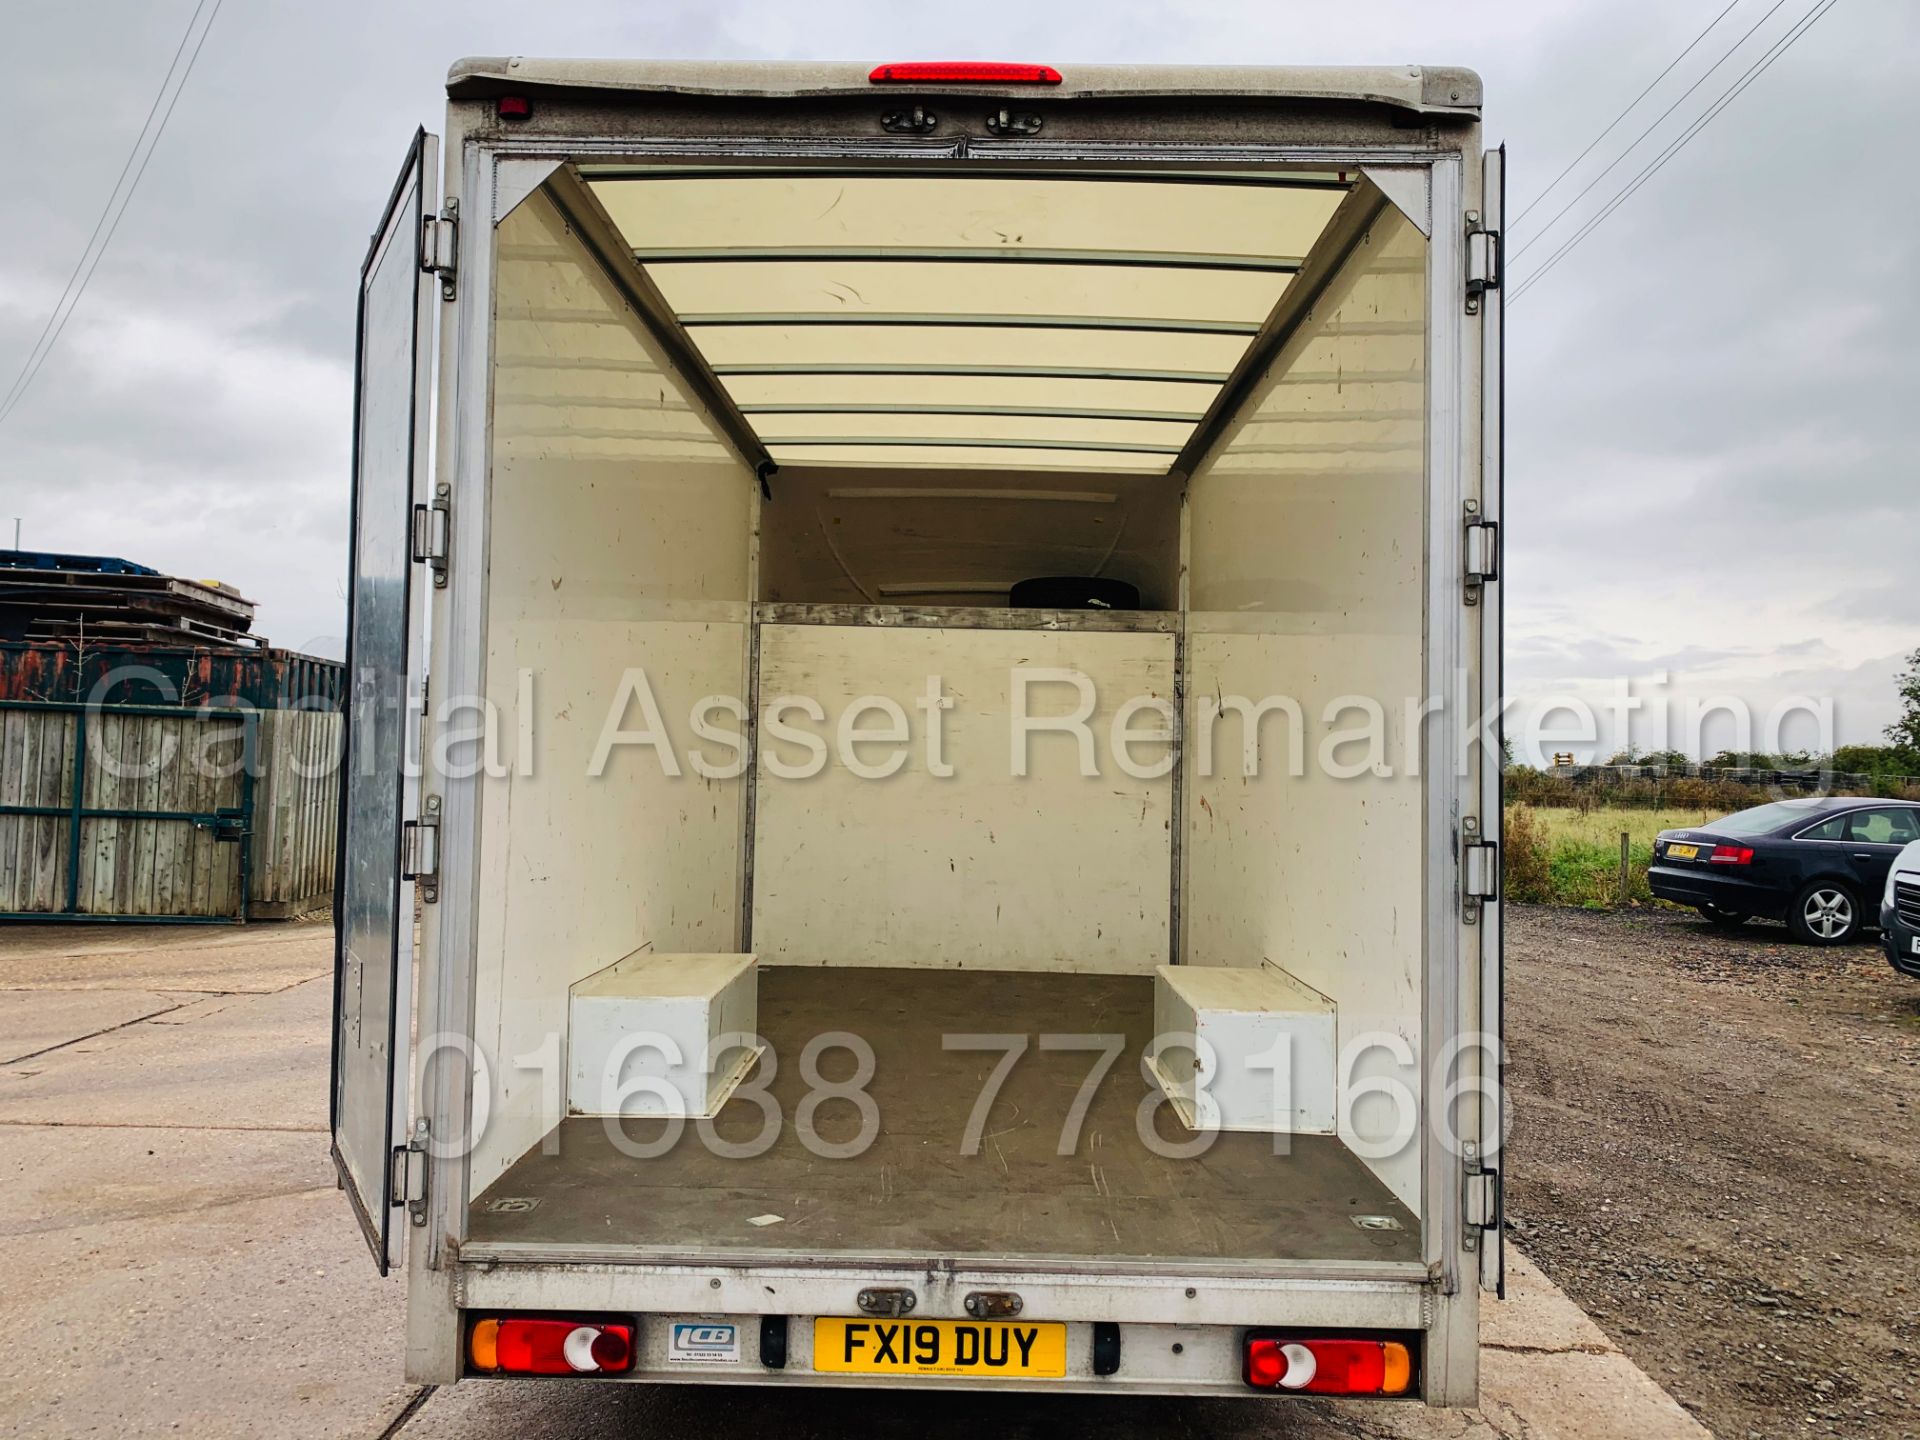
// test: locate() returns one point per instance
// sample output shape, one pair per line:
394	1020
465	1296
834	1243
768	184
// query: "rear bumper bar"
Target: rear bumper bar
1178	1335
1706	885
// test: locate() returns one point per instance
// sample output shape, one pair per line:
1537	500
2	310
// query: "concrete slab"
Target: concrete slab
32	1021
1537	1315
1538	1345
225	1062
1576	1395
167	1282
529	1410
57	1179
1547	1372
253	959
152	941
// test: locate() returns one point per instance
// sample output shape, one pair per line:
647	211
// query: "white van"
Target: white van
953	839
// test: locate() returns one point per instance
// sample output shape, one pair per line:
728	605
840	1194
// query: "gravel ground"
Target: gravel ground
1714	1153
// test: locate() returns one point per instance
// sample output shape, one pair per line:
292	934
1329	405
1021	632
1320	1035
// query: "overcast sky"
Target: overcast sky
1714	402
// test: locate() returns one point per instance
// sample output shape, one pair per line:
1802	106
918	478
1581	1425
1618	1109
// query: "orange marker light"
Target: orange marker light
483	1346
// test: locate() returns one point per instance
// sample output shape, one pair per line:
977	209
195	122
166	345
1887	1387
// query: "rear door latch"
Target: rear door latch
433	535
1483	1200
420	851
1480	544
439	247
1479	870
410	1174
1485	260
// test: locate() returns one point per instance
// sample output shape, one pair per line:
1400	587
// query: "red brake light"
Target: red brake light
963	72
514	107
1731	855
555	1346
1330	1367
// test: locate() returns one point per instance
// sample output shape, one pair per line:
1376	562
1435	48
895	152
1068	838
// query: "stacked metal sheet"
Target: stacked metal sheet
50	596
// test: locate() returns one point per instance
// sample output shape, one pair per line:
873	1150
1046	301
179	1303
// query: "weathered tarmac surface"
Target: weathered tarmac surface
177	1261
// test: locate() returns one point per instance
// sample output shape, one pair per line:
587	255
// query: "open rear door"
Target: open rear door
373	903
1493	1250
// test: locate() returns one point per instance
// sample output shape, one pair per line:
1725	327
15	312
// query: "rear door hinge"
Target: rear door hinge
420	851
1484	1200
1485	260
439	245
433	534
410	1175
1479	870
1480	545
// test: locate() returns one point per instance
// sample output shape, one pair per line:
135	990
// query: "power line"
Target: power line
1624	113
1753	73
1561	213
107	209
90	257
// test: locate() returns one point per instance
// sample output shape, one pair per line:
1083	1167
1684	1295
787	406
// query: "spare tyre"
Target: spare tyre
1073	592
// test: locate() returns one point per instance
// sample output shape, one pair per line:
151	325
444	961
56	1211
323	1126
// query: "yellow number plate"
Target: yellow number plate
1682	852
941	1347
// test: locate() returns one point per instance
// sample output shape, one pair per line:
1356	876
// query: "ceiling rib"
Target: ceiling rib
976	492
985	322
964	254
972	170
792	442
1036	412
1026	372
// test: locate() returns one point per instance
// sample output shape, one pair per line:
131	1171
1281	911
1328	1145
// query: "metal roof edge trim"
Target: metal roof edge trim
1422	90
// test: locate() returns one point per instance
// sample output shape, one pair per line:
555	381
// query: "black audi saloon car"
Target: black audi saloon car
1820	865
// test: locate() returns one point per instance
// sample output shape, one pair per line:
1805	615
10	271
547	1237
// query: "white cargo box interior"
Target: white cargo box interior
946	423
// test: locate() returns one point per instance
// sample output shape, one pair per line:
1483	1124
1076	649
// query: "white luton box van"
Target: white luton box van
923	773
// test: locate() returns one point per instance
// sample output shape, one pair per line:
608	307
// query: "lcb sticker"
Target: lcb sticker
703	1342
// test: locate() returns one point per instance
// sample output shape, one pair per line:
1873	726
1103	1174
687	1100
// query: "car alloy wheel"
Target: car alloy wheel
1827	912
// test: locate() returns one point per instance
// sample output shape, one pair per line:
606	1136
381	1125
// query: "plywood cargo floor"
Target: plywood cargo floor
913	1190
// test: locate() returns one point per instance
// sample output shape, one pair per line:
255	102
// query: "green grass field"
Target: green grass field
1572	857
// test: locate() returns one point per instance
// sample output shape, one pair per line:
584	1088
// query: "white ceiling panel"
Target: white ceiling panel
972	320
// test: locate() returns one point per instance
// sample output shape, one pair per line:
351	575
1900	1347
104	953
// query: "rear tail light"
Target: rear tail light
1329	1367
1731	855
550	1345
514	107
963	72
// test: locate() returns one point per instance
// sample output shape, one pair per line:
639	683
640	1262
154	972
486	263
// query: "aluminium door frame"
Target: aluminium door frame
457	661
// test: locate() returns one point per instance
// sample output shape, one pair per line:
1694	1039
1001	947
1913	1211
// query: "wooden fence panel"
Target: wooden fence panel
164	762
296	811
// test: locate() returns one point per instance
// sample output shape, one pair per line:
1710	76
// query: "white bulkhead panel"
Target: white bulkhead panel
982	869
